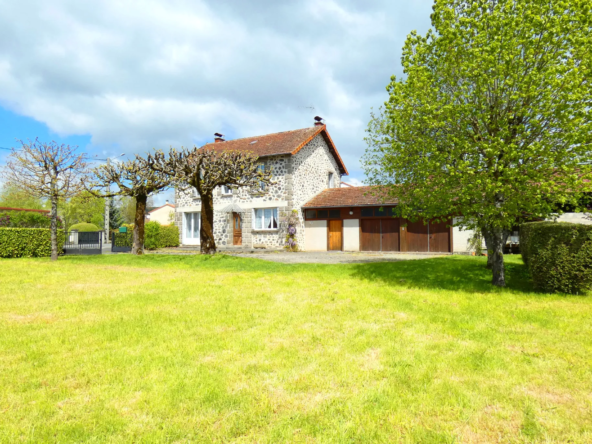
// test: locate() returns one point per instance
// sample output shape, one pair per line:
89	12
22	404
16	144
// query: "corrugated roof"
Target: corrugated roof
287	142
349	197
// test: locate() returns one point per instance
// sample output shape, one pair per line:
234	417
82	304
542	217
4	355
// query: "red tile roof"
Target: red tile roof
349	197
287	142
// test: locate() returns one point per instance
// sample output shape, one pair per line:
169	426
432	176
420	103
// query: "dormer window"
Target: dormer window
331	180
226	191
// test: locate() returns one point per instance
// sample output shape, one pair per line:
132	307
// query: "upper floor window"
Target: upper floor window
194	192
331	180
261	169
226	190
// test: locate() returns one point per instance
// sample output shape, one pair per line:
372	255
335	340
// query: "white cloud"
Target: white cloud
136	75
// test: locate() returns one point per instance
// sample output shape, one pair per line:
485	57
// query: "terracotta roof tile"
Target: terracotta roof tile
348	197
287	142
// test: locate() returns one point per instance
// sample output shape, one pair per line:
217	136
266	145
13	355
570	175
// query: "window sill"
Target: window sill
266	230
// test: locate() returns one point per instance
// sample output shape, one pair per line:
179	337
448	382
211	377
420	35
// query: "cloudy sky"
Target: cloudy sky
116	76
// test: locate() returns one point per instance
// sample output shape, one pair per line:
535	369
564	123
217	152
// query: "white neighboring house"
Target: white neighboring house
165	215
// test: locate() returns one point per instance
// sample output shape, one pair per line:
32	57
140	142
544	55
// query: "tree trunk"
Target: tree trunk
138	247
489	247
206	233
498	238
54	228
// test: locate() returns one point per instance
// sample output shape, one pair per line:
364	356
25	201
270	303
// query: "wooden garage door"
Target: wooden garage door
390	234
440	237
370	238
417	236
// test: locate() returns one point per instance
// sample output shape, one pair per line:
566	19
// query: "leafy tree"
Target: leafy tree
84	207
493	119
115	219
134	178
205	170
47	171
127	209
13	197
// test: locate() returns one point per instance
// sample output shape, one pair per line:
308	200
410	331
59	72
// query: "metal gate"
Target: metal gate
121	242
90	242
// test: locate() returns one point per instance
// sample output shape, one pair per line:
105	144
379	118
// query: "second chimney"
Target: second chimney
318	121
218	138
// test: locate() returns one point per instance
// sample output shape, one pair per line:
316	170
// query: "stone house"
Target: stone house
307	171
303	162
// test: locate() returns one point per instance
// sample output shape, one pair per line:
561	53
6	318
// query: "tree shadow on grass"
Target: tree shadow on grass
448	273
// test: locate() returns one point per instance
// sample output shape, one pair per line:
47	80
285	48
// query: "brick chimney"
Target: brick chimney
218	138
318	121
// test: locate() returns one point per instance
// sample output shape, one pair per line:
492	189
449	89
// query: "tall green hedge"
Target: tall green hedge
28	242
558	255
160	236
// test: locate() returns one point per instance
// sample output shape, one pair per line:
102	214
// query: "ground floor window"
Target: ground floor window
192	225
266	219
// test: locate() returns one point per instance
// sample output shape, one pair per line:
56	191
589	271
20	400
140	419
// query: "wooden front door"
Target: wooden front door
417	236
440	237
237	229
390	234
370	238
335	235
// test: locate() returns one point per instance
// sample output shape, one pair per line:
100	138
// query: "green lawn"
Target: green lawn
224	349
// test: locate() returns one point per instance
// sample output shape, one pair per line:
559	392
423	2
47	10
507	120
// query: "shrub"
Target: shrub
558	255
160	236
169	235
84	227
152	239
28	242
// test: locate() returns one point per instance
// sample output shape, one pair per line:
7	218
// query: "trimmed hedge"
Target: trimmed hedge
558	255
84	227
28	242
160	236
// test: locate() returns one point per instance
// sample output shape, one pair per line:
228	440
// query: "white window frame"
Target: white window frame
331	179
262	218
262	186
193	239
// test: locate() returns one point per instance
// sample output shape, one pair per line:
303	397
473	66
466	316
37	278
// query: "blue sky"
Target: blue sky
115	77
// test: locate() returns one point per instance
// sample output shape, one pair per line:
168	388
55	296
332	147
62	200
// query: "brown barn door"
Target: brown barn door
417	236
440	237
335	235
370	236
390	234
237	232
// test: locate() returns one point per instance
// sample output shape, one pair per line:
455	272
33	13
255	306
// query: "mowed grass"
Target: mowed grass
224	349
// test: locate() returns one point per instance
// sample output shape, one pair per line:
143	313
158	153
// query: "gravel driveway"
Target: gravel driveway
337	257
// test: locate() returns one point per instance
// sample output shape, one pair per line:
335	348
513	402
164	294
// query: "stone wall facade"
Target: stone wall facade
296	179
311	166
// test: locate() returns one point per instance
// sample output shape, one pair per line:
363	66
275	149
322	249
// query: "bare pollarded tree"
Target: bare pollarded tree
49	171
204	170
133	178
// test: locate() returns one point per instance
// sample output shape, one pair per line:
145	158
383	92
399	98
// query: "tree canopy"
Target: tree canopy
492	120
